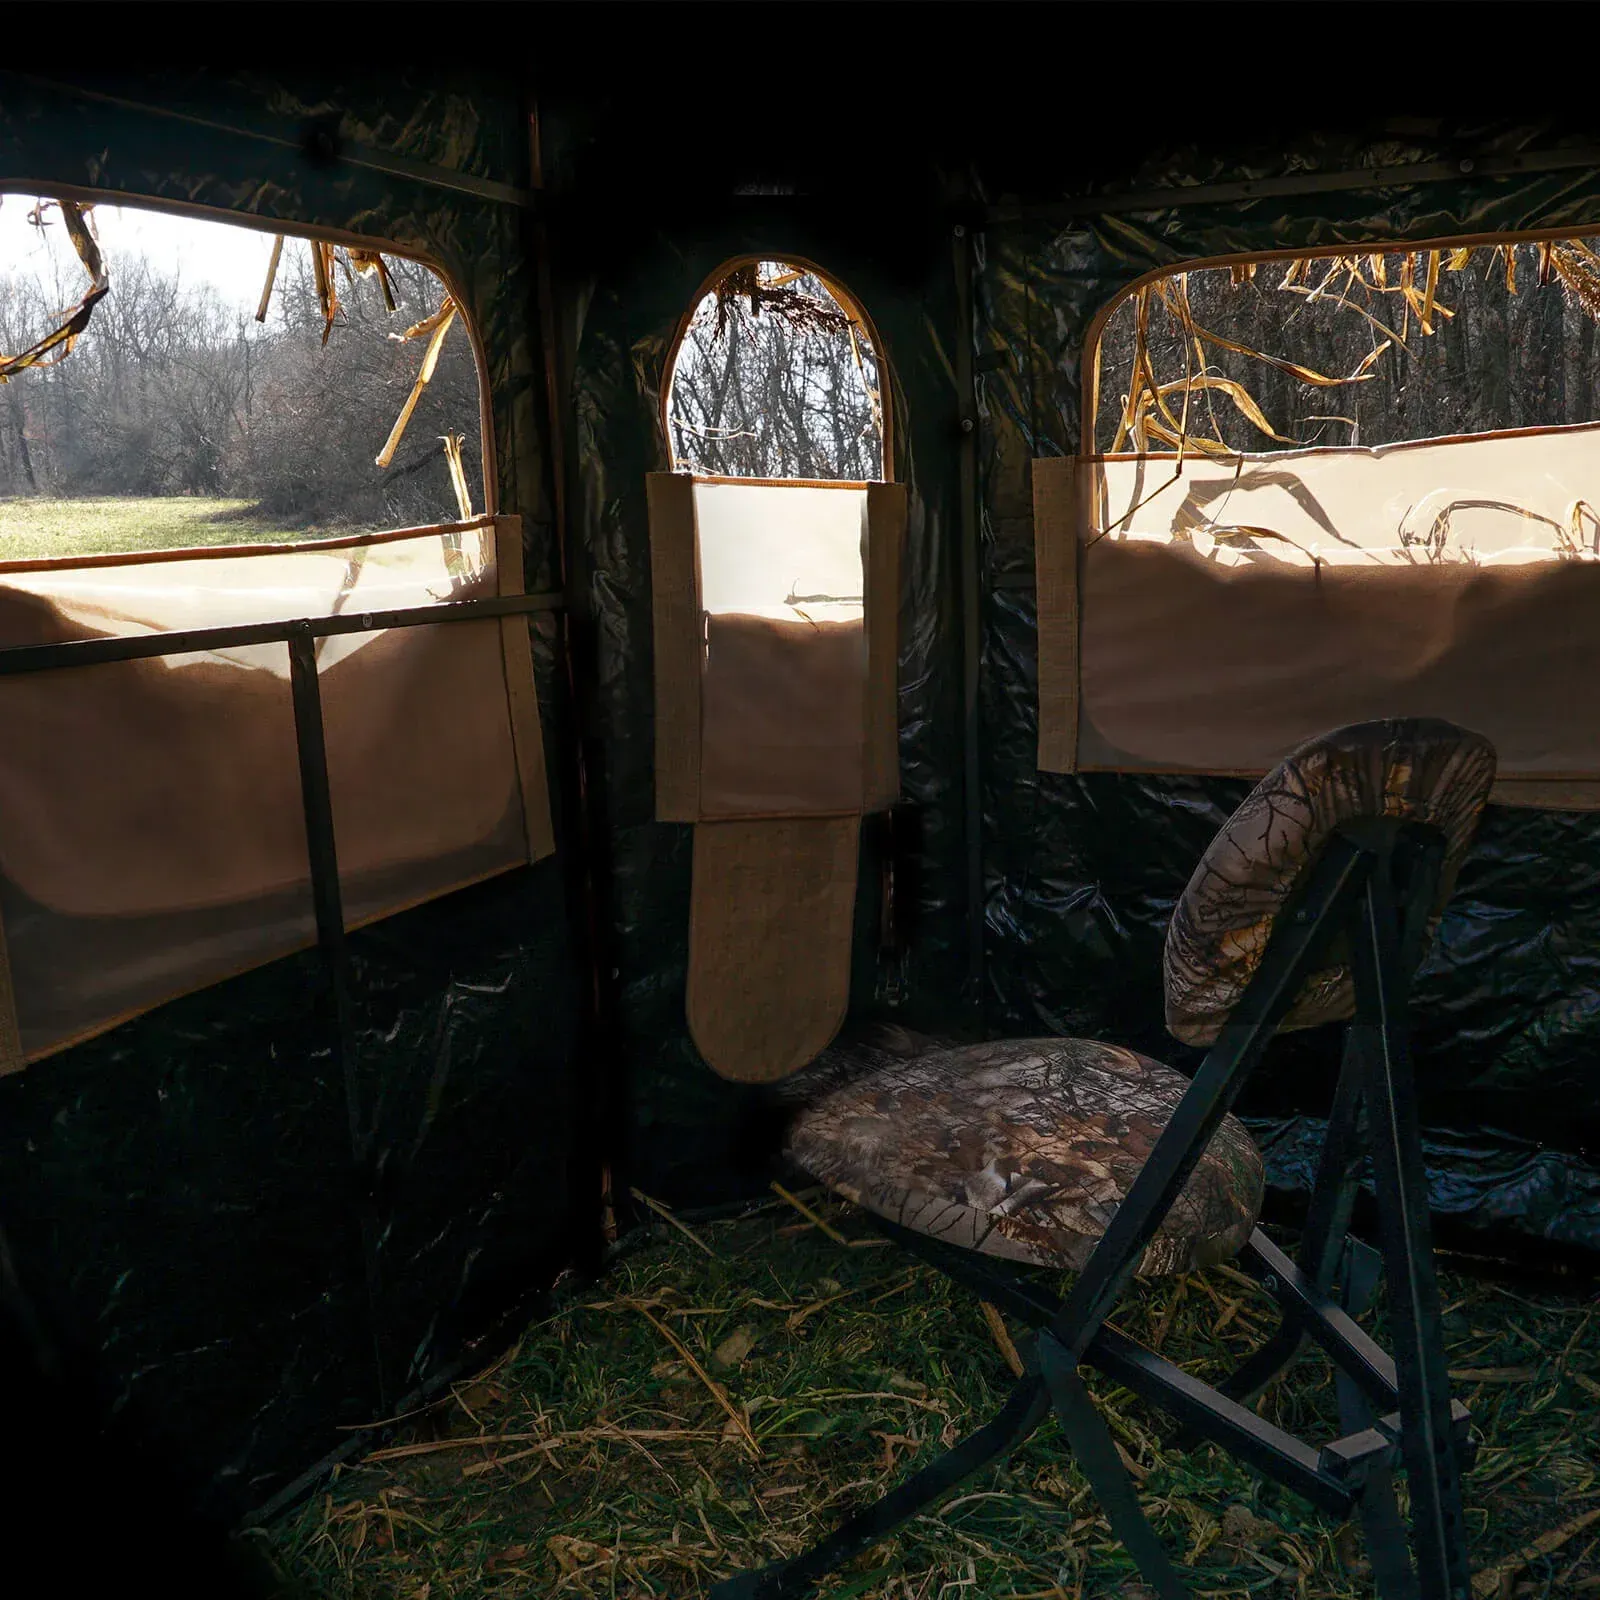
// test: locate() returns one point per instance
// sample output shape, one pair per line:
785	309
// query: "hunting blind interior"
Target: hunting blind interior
1058	737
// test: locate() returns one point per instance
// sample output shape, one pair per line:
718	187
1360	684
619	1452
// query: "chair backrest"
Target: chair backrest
1417	770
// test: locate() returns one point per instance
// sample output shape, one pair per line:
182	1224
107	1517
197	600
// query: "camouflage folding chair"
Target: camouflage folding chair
1315	903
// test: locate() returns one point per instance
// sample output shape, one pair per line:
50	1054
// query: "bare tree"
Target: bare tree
776	379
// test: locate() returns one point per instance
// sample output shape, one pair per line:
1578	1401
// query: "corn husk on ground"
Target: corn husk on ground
732	1389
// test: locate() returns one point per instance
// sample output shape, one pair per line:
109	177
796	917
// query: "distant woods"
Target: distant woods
775	378
172	391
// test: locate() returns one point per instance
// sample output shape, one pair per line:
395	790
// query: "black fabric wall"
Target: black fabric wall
179	1194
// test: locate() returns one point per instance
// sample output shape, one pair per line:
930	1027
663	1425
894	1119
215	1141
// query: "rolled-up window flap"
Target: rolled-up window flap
1208	615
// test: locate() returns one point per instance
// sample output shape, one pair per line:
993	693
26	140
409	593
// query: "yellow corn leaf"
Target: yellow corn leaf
1426	314
1380	270
1240	530
1575	519
1510	252
1293	368
1417	301
428	325
1459	258
1293	273
1172	437
1361	311
1332	273
1236	392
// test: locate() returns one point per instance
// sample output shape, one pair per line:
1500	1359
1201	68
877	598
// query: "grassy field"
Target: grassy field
32	527
596	1460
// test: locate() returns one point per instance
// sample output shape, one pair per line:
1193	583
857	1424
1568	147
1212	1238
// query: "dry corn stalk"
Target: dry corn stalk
327	292
272	278
365	263
436	326
65	335
458	475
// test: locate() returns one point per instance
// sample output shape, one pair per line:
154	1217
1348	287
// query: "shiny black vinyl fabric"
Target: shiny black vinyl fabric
1082	872
179	1195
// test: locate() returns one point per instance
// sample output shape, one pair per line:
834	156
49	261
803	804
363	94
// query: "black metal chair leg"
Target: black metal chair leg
1428	1448
1377	1507
797	1577
1327	1222
1096	1454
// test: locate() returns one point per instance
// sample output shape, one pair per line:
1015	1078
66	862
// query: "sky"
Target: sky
233	260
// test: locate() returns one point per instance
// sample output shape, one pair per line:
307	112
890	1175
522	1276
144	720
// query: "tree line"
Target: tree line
172	391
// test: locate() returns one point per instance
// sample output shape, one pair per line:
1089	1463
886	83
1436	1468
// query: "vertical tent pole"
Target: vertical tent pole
329	908
971	611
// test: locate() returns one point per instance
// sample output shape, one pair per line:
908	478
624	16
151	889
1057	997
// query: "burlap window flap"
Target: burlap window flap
152	837
775	627
770	919
1209	617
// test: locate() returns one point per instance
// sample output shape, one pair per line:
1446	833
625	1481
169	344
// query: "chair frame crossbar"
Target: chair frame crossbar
1374	886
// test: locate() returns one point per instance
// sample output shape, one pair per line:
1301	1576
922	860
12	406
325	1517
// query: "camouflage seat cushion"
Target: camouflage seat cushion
1022	1148
1420	769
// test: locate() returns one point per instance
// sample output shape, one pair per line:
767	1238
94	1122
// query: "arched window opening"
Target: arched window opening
777	375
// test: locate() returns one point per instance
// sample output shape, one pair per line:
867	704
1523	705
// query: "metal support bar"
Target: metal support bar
138	647
1096	1454
1203	1411
1349	1458
1271	1451
1427	1448
328	905
1349	1345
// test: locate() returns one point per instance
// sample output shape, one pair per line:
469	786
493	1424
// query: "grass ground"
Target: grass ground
32	527
730	1391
